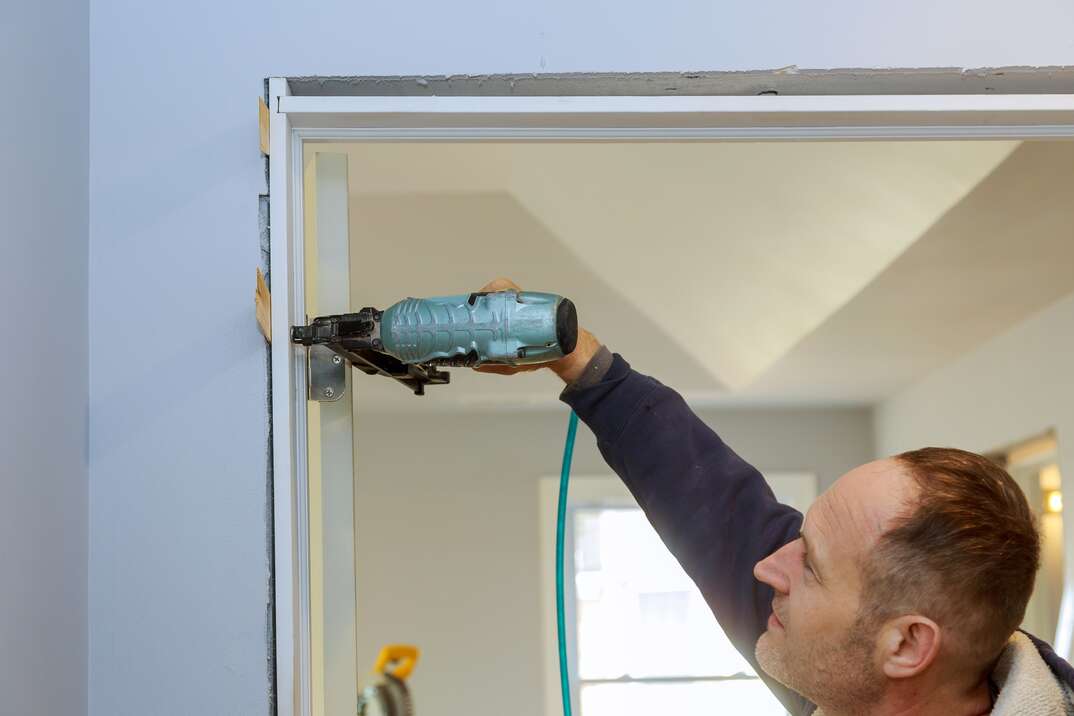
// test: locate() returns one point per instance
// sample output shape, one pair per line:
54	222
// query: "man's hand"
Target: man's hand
569	367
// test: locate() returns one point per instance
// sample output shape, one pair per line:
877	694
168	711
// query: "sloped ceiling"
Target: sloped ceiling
1002	253
711	266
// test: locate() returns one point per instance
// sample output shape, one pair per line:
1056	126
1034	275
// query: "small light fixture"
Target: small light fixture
1053	502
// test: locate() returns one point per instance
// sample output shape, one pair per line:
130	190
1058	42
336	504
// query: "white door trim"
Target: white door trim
683	118
295	120
290	529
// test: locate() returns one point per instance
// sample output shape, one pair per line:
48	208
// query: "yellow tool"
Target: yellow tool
390	697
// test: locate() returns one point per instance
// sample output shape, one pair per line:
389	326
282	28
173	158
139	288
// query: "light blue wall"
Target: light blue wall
179	563
44	130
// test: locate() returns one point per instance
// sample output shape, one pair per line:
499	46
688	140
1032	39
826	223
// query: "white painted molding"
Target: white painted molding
290	536
681	118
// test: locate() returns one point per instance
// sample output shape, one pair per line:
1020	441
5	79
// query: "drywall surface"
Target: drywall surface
43	375
1015	386
449	551
179	561
1012	388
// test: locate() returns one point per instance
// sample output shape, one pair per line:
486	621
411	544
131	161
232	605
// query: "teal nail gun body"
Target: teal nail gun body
411	340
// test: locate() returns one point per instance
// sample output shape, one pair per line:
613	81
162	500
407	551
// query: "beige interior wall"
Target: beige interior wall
1042	612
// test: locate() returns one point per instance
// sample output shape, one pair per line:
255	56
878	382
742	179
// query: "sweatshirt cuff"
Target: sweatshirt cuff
594	372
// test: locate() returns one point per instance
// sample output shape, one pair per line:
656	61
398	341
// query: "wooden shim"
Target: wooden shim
263	119
263	306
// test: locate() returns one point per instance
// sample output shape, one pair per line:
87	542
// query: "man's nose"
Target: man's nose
772	571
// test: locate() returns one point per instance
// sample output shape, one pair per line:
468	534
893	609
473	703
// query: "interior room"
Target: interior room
818	304
839	231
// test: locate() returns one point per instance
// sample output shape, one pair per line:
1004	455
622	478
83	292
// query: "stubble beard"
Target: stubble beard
837	675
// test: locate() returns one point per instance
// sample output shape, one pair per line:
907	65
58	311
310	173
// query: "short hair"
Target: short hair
965	553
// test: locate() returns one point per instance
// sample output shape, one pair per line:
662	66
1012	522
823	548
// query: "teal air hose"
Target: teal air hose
561	528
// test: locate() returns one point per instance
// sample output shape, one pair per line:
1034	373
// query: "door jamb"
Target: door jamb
295	120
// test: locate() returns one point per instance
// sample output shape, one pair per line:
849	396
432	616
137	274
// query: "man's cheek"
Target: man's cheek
803	619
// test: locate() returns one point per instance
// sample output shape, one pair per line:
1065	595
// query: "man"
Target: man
900	592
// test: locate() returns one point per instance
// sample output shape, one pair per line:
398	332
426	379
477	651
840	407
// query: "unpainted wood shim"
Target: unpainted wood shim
263	306
263	118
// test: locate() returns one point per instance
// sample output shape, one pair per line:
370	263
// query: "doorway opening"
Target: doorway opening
810	262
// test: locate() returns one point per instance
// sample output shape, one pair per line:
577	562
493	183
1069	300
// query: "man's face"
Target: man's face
814	643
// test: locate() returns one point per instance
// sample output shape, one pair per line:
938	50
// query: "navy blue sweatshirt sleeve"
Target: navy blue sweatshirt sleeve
713	510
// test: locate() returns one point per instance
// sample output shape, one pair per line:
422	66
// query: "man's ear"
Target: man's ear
908	645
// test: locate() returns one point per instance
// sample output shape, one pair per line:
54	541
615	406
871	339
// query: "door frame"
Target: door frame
295	120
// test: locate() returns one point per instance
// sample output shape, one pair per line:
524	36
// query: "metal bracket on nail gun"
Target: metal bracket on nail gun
328	374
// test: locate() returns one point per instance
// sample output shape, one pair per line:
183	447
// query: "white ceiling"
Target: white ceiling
745	273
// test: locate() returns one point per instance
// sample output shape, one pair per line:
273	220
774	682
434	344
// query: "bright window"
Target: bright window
640	638
646	641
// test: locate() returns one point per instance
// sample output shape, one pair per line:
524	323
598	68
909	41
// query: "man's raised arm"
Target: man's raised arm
712	509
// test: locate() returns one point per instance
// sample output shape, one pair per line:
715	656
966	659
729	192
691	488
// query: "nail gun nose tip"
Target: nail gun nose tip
566	326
